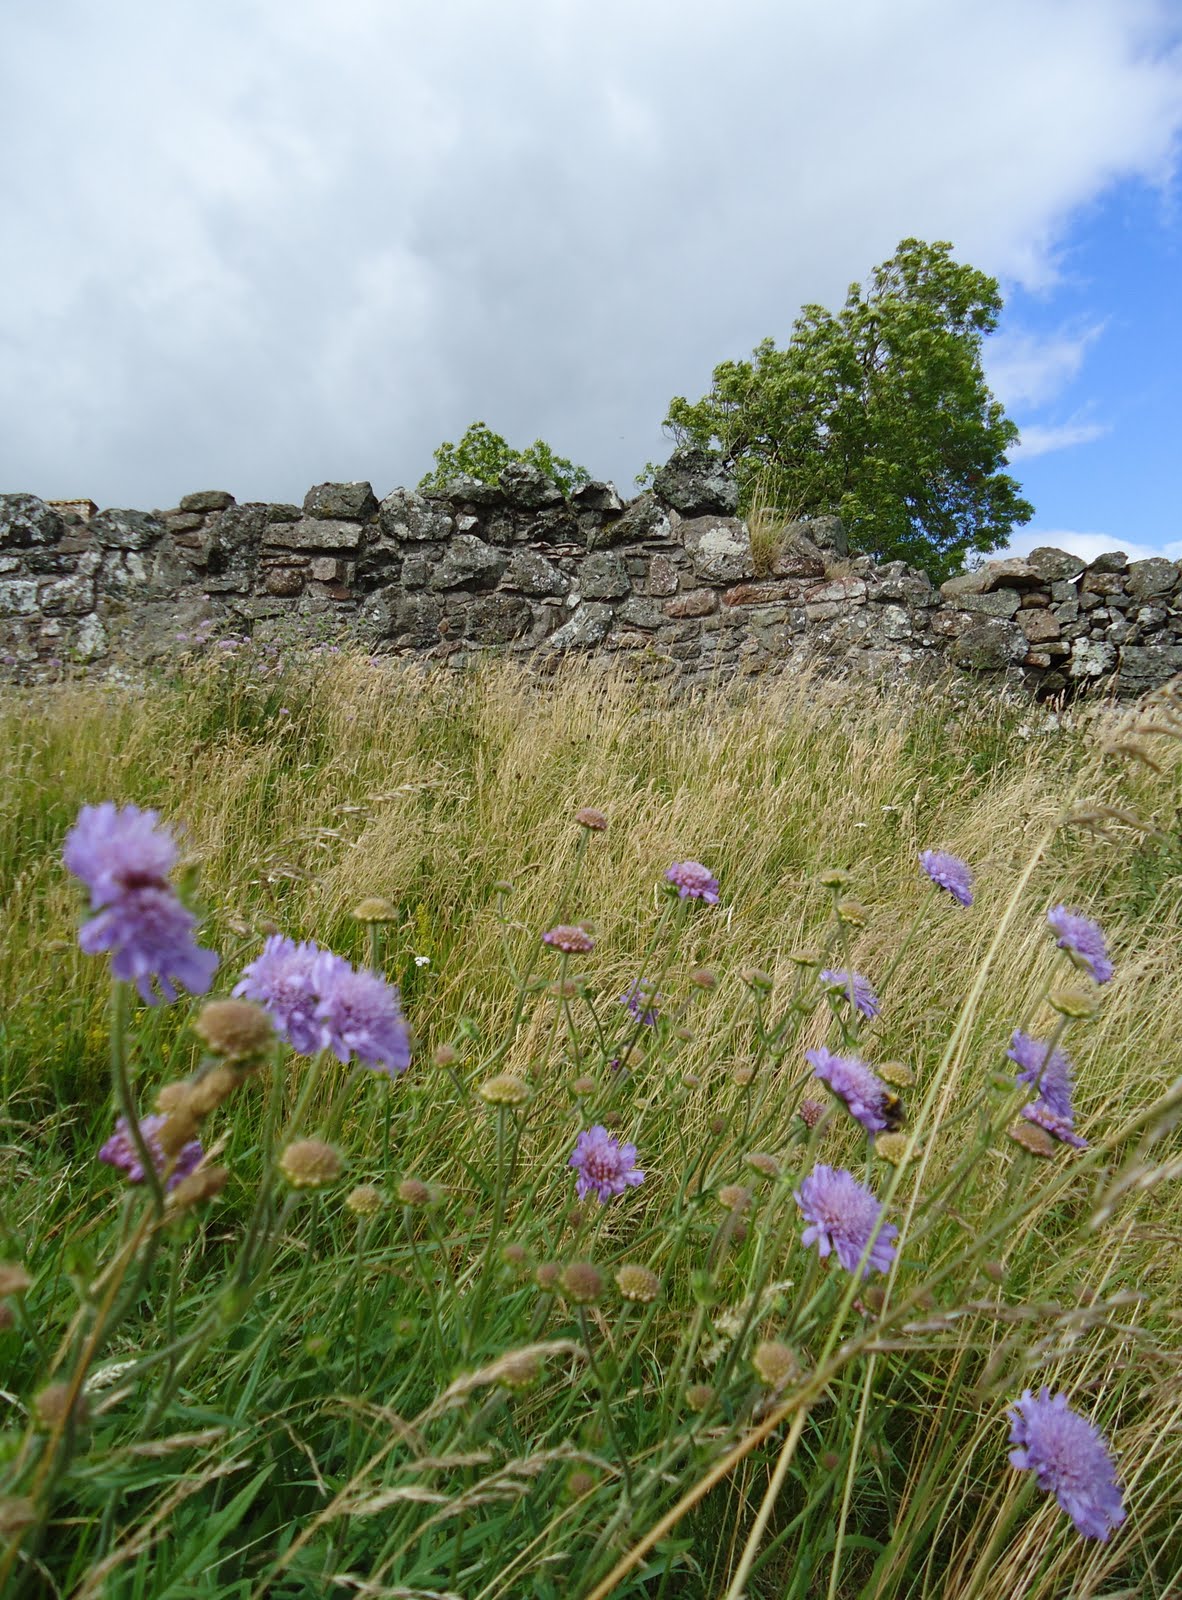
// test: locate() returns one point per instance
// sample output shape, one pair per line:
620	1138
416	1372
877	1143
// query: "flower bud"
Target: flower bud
775	1364
236	1029
505	1089
594	821
204	1184
637	1283
365	1200
582	1283
310	1164
375	909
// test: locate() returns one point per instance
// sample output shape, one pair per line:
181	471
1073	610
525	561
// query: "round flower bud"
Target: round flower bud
717	1126
580	1483
744	1076
446	1056
833	878
810	1112
310	1164
896	1073
852	913
239	1030
637	1283
1073	1003
1037	1141
571	940
767	1166
734	1197
13	1278
581	1283
414	1192
692	1080
199	1186
703	978
51	1406
514	1255
594	821
774	1363
756	978
365	1200
504	1090
805	958
891	1147
699	1396
503	886
374	909
547	1274
208	1091
584	1085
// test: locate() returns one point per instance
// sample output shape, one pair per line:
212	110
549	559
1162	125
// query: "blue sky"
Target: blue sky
260	244
1114	383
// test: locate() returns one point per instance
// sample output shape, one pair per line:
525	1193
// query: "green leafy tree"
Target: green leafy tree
880	413
483	454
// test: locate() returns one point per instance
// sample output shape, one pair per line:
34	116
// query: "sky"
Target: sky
260	244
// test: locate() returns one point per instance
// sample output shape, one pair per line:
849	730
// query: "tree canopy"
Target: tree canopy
880	413
483	454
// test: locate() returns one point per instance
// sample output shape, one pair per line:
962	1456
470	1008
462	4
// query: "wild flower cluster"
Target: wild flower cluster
781	1244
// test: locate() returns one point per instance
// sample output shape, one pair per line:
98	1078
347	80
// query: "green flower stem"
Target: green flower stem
121	1087
604	1398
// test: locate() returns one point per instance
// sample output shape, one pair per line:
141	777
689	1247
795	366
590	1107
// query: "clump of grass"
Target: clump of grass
545	1312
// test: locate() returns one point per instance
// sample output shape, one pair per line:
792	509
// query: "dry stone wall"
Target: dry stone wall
667	579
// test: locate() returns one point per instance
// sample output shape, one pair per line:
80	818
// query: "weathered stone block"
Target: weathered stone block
693	603
284	580
1110	561
995	603
989	646
597	496
719	548
1154	576
640	613
1146	667
696	482
588	626
1055	566
206	500
1102	582
18	597
126	530
603	576
499	618
528	487
312	533
1038	625
468	560
341	502
760	594
662	577
406	515
182	521
73	596
1091	658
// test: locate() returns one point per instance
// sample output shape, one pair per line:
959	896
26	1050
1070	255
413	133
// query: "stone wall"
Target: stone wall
667	579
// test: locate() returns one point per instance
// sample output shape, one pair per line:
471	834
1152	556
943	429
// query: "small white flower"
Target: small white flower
422	961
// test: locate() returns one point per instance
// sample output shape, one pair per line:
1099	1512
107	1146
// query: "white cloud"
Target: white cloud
263	246
1039	439
1025	368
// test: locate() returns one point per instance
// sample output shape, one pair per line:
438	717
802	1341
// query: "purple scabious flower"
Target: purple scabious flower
642	1001
1058	1126
114	849
120	1152
860	1090
949	872
844	1216
361	1015
856	989
1083	940
604	1165
281	980
1069	1459
1048	1073
150	936
693	882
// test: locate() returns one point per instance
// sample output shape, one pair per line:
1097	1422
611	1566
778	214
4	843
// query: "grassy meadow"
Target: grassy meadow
391	1383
